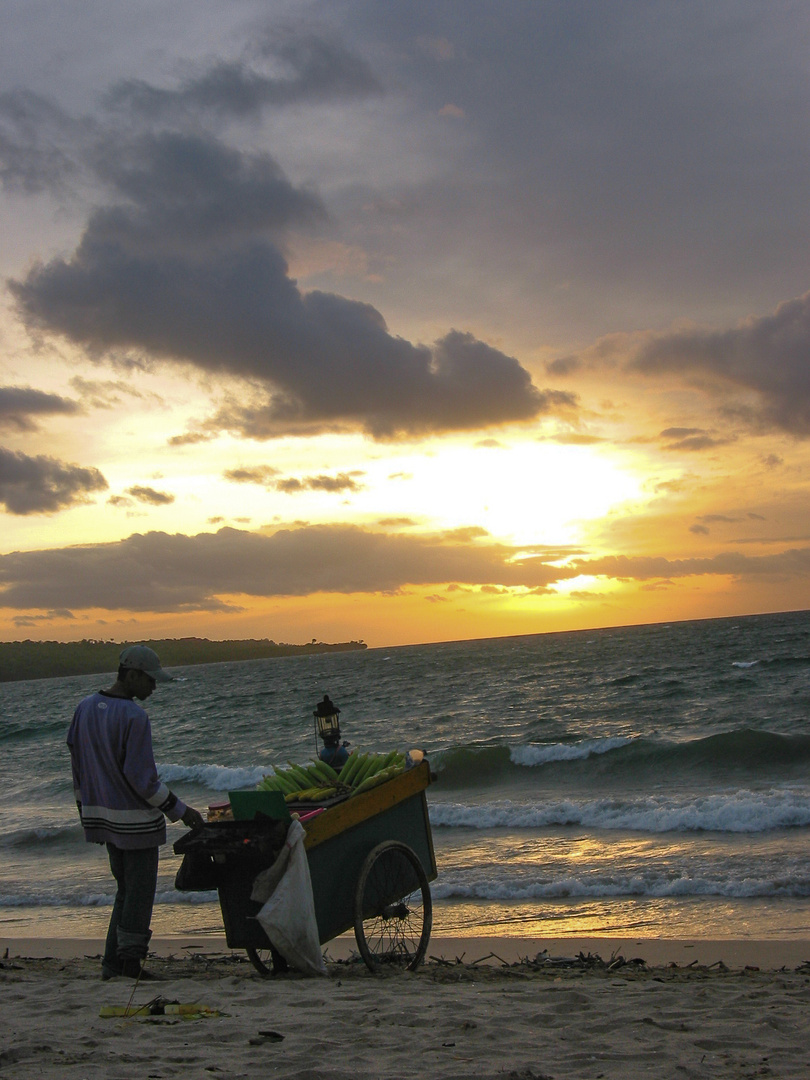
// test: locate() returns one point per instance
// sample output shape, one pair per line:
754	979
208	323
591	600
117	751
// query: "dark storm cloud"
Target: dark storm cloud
191	192
184	264
42	485
324	360
339	483
255	474
695	439
150	495
48	616
191	438
794	563
316	71
756	374
615	158
19	405
43	148
701	526
618	165
266	476
390	387
38	143
769	354
179	573
704	520
563	365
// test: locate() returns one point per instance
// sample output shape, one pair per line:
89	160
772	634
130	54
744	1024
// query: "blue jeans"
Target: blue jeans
135	873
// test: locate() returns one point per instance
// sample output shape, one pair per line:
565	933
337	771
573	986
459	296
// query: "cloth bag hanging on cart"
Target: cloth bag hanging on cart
288	915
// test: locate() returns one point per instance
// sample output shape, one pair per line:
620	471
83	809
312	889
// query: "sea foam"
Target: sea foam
541	755
595	886
735	812
214	777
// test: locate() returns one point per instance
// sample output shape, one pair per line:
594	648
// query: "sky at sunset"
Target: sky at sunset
401	321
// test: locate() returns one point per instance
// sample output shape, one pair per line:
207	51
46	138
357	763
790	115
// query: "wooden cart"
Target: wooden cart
370	859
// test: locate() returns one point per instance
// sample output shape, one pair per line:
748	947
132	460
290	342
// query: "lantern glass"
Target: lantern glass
328	726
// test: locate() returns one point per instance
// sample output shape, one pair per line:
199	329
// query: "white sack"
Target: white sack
288	917
266	881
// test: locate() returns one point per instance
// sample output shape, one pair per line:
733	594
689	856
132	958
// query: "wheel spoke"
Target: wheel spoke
393	911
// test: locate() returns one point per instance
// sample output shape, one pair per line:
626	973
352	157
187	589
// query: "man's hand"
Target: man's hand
193	818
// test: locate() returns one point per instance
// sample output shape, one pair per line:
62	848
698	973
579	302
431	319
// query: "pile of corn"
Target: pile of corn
318	780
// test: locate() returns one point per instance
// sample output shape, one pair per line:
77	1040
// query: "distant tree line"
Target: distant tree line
51	659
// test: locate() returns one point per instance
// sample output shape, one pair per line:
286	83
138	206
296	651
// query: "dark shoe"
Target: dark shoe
131	969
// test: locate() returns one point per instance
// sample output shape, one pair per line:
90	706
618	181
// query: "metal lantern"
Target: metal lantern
327	722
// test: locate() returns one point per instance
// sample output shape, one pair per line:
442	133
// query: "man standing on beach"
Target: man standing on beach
122	801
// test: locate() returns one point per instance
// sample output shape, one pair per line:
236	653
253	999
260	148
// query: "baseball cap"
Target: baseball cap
142	658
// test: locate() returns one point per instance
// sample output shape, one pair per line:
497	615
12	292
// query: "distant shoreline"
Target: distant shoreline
55	659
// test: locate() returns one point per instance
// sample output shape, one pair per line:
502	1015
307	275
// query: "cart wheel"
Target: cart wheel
393	911
266	961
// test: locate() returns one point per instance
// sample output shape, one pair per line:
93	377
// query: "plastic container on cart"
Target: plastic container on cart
246	804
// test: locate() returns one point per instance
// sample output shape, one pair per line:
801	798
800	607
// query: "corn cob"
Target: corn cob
377	778
272	782
363	769
300	796
325	769
315	775
355	762
372	766
349	770
300	775
311	795
286	782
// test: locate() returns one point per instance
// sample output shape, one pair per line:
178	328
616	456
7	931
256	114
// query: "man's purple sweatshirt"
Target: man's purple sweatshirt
120	797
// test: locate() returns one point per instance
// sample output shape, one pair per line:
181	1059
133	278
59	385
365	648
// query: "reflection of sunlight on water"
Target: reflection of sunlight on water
565	850
667	918
664	919
168	920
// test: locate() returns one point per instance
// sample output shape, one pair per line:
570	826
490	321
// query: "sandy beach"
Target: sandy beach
507	1008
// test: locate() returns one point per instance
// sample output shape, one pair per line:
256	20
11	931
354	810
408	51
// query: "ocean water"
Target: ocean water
644	781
